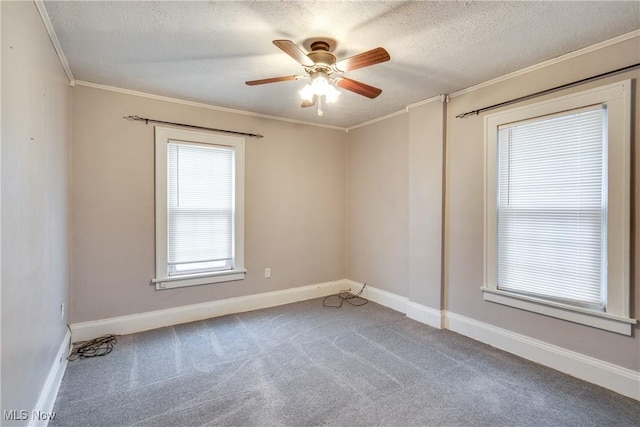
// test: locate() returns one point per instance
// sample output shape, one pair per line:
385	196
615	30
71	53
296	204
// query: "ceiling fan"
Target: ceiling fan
325	71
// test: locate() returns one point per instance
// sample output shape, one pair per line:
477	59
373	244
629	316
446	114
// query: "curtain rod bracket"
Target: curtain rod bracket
147	120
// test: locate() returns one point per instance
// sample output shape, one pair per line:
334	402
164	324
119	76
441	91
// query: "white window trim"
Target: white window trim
163	280
617	96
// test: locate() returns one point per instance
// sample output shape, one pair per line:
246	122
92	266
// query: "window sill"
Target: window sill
596	319
198	279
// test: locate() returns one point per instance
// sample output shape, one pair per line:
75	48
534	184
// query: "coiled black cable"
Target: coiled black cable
346	296
93	348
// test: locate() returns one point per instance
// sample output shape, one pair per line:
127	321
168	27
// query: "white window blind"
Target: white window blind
200	207
552	207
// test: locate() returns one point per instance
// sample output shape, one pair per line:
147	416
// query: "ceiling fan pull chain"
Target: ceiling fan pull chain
320	112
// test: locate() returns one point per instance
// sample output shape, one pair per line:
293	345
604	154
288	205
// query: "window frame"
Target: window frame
616	318
163	279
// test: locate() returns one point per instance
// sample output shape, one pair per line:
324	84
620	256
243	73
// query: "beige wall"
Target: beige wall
34	221
378	207
395	206
294	205
465	208
425	167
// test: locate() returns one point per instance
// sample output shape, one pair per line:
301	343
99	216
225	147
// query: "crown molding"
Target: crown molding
544	64
201	104
72	81
54	40
379	119
556	60
397	113
441	98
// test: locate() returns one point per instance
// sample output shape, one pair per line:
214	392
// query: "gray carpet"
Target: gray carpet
305	365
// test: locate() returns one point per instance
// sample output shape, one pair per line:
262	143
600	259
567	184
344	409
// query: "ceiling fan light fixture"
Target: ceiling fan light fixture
331	93
319	80
321	85
307	93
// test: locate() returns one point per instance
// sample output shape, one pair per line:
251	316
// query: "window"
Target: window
199	208
557	208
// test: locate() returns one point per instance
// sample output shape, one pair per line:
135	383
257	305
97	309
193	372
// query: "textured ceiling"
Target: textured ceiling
205	51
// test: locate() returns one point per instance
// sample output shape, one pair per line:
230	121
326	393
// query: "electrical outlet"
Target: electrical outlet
267	272
62	310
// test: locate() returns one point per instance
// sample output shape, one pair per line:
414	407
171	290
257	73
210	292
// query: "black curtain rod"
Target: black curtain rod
147	121
546	91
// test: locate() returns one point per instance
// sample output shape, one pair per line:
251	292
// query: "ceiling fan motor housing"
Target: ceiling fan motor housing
320	54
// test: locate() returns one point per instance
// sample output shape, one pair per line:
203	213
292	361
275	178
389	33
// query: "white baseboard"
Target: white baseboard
50	390
596	371
621	380
189	313
427	315
605	374
413	310
379	296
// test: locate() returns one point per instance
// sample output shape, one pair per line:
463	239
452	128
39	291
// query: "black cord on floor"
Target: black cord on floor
346	296
93	348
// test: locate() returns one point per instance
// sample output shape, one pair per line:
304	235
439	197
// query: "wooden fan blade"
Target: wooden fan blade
311	103
291	49
364	59
358	87
271	80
